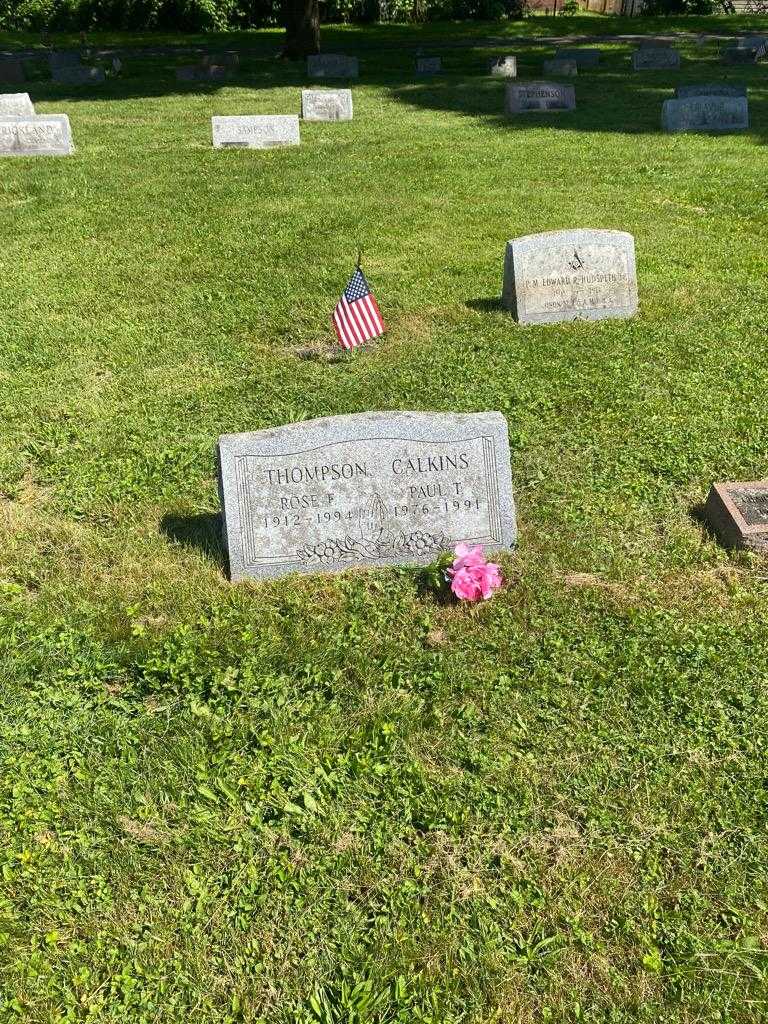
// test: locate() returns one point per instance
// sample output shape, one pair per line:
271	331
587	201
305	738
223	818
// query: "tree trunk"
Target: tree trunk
302	28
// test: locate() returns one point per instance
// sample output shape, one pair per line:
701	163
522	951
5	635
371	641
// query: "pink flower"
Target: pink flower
471	576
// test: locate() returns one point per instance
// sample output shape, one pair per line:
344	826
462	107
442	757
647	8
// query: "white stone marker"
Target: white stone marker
326	104
257	132
16	104
43	135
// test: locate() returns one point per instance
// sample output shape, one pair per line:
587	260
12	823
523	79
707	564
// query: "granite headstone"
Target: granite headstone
560	67
429	65
266	131
738	514
368	489
522	97
77	75
683	92
570	275
326	105
332	65
504	67
662	58
201	73
42	135
16	104
721	114
583	57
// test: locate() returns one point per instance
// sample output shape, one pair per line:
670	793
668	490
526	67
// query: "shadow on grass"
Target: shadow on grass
489	305
200	531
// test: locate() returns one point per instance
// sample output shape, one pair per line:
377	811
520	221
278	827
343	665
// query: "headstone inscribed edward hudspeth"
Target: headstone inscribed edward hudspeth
525	97
504	67
16	104
326	104
570	275
263	132
43	135
369	489
332	65
718	114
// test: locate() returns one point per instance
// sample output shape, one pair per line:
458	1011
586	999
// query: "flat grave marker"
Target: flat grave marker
525	97
367	489
684	92
581	274
40	135
78	75
201	73
12	71
738	514
16	104
719	114
658	58
504	67
266	131
332	65
326	105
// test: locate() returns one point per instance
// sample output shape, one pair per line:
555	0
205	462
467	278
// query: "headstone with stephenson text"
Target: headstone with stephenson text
266	131
560	67
662	58
583	57
504	67
524	97
40	135
570	275
16	104
684	92
719	114
332	65
368	489
326	105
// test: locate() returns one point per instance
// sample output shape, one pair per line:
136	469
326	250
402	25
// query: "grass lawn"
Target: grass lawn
329	799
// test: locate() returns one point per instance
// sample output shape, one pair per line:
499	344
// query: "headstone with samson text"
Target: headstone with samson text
332	65
524	97
684	92
41	135
662	58
556	66
720	114
738	514
428	65
570	275
583	57
11	71
266	131
326	105
504	67
78	75
368	489
16	104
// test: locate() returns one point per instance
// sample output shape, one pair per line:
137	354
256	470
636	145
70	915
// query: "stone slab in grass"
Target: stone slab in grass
368	489
583	57
525	97
265	131
738	514
738	55
683	92
64	59
16	104
581	274
332	65
718	114
42	135
556	66
201	73
429	65
326	104
11	71
78	75
658	58
227	59
504	67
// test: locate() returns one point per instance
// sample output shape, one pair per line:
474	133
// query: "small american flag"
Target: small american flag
357	318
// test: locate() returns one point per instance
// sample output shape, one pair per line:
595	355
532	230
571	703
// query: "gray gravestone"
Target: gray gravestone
428	65
201	73
583	57
16	104
64	59
570	275
326	105
722	114
78	75
662	58
738	55
264	132
683	92
332	65
369	489
523	97
738	514
12	71
560	67
228	59
42	135
504	67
